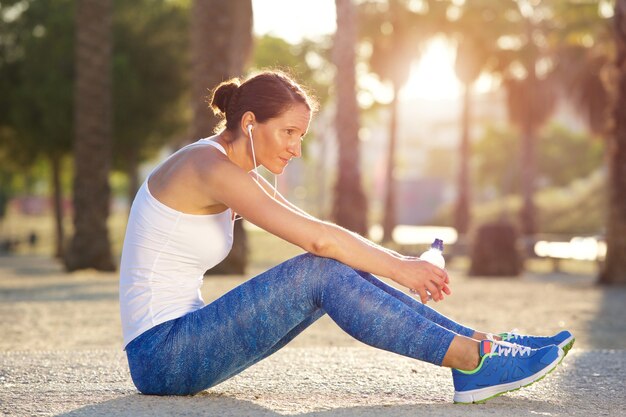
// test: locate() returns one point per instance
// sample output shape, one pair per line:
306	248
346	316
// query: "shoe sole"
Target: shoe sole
482	395
567	344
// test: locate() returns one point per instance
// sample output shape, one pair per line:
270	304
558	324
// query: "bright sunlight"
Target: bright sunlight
294	20
433	77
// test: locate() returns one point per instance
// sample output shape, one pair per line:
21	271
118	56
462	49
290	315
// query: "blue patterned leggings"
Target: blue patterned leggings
201	349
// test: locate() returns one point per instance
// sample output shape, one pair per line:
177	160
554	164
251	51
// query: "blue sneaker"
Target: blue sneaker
503	367
564	340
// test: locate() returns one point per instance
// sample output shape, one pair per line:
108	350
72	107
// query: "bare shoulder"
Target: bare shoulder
206	161
213	167
183	181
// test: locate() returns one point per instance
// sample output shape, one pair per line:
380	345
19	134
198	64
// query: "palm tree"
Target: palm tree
350	205
588	75
391	59
476	32
392	55
531	102
614	271
470	60
90	246
531	96
507	32
221	41
397	35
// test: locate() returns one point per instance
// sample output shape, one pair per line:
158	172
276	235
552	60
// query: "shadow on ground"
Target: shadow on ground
608	327
30	265
210	404
81	291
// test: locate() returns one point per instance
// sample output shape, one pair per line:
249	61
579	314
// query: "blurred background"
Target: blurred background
498	126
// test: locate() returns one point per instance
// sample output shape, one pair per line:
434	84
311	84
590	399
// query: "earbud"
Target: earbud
249	130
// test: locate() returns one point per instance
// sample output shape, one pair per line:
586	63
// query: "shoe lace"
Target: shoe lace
508	336
513	335
502	348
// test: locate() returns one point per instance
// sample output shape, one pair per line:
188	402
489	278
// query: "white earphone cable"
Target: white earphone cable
256	172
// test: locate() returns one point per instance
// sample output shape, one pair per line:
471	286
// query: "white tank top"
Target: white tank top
164	258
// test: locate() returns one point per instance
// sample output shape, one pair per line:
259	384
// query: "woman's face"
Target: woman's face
278	140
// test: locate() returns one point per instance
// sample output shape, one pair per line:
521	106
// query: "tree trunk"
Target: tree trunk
211	22
132	172
90	247
614	271
221	41
495	251
528	157
350	204
57	204
462	210
390	218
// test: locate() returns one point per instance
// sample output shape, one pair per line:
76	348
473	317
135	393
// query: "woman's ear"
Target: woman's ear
247	120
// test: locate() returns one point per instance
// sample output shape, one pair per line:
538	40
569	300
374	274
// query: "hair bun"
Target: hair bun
223	94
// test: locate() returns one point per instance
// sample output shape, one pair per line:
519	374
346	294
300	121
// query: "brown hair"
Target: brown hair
266	94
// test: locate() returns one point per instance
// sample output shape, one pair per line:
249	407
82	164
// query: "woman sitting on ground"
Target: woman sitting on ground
181	224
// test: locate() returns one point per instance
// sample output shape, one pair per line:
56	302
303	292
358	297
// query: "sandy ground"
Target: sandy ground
60	353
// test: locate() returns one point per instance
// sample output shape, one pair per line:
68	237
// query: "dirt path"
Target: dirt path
60	352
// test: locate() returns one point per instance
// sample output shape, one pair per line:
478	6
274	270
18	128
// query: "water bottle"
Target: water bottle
434	255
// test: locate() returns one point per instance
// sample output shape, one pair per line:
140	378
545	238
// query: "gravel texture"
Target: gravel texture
60	354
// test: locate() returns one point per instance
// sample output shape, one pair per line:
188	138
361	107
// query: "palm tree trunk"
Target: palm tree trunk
528	157
132	172
221	41
57	203
614	271
210	27
390	218
90	246
462	211
350	204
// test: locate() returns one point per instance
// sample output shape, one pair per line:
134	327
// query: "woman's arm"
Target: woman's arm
269	188
232	186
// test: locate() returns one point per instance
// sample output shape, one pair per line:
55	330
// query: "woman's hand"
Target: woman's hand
422	277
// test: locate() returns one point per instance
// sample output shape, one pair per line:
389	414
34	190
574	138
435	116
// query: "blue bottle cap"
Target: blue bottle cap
437	244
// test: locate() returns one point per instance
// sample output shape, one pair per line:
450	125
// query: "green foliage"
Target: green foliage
150	63
577	208
36	70
563	156
496	160
308	61
150	66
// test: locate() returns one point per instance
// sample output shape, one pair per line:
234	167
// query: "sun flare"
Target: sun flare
433	77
